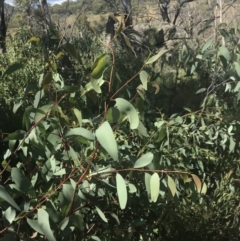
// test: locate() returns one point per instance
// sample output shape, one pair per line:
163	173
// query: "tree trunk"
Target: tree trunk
46	12
3	28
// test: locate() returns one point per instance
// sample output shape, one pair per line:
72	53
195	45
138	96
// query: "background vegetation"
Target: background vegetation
124	135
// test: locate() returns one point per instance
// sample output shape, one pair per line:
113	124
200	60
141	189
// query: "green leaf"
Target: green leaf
147	178
144	78
101	214
171	186
72	51
99	66
17	105
232	144
142	129
95	238
47	79
201	90
113	115
10	214
197	182
144	160
79	131
207	45
225	53
12	68
5	196
21	181
126	107
17	135
34	225
43	222
121	191
237	68
107	140
204	188
78	115
156	57
154	187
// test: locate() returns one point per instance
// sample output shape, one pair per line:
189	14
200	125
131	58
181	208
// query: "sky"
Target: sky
49	1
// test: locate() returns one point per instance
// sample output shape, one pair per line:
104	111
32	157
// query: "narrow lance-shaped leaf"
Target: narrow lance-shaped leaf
172	186
156	57
43	222
101	214
144	78
107	140
78	115
121	191
197	182
12	68
147	184
154	186
144	160
5	196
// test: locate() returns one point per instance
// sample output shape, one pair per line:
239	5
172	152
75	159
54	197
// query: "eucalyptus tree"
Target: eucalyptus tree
3	28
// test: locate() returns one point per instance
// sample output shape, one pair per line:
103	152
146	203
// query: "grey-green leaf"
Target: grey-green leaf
126	107
10	214
156	57
144	78
78	114
107	140
21	181
121	191
225	53
147	184
144	160
43	222
5	196
101	214
171	186
79	131
12	68
154	186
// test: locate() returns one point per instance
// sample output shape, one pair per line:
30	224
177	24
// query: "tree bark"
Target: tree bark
3	28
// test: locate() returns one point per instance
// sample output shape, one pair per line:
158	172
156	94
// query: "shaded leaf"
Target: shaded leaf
126	107
12	68
237	68
121	191
5	196
225	53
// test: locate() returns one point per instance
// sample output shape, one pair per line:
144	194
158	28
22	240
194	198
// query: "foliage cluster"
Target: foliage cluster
105	145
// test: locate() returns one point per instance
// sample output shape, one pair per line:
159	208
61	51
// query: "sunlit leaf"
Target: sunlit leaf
101	214
144	78
156	57
43	222
121	191
201	90
79	131
144	160
154	187
197	182
10	214
107	140
204	188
